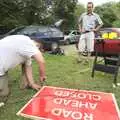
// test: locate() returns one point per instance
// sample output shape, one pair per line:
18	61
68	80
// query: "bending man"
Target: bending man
18	50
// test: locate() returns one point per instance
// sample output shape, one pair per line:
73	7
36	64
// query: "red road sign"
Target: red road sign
53	103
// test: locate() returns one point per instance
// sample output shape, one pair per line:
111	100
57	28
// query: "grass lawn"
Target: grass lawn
62	71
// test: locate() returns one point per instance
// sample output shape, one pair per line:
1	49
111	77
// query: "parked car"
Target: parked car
3	30
110	42
48	36
71	36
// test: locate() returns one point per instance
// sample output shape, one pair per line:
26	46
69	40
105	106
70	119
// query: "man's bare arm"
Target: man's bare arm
41	63
97	28
28	77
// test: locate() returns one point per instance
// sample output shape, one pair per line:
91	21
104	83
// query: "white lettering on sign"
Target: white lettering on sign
75	103
75	115
77	95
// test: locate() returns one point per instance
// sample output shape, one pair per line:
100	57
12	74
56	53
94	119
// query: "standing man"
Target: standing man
18	50
89	23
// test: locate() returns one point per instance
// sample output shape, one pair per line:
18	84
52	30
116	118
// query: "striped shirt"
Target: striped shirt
89	22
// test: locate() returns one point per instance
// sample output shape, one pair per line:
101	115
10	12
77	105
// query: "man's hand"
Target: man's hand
42	78
35	86
94	30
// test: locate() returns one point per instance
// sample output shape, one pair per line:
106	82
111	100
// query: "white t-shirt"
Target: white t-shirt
14	50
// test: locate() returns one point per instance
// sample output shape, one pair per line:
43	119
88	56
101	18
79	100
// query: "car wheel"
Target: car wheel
41	48
54	45
67	42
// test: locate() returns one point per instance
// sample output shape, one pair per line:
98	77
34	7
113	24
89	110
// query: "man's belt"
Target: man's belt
85	32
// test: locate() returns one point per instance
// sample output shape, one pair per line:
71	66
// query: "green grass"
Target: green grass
62	71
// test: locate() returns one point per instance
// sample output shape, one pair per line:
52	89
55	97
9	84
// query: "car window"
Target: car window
28	31
78	33
42	29
66	32
15	31
109	34
74	32
56	32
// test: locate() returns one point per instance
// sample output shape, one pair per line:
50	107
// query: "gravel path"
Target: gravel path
69	49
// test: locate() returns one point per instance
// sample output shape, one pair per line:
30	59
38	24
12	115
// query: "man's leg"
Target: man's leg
81	47
90	42
4	89
23	81
90	45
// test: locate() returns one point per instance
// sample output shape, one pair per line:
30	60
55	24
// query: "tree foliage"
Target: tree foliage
65	9
79	10
106	13
116	10
27	12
